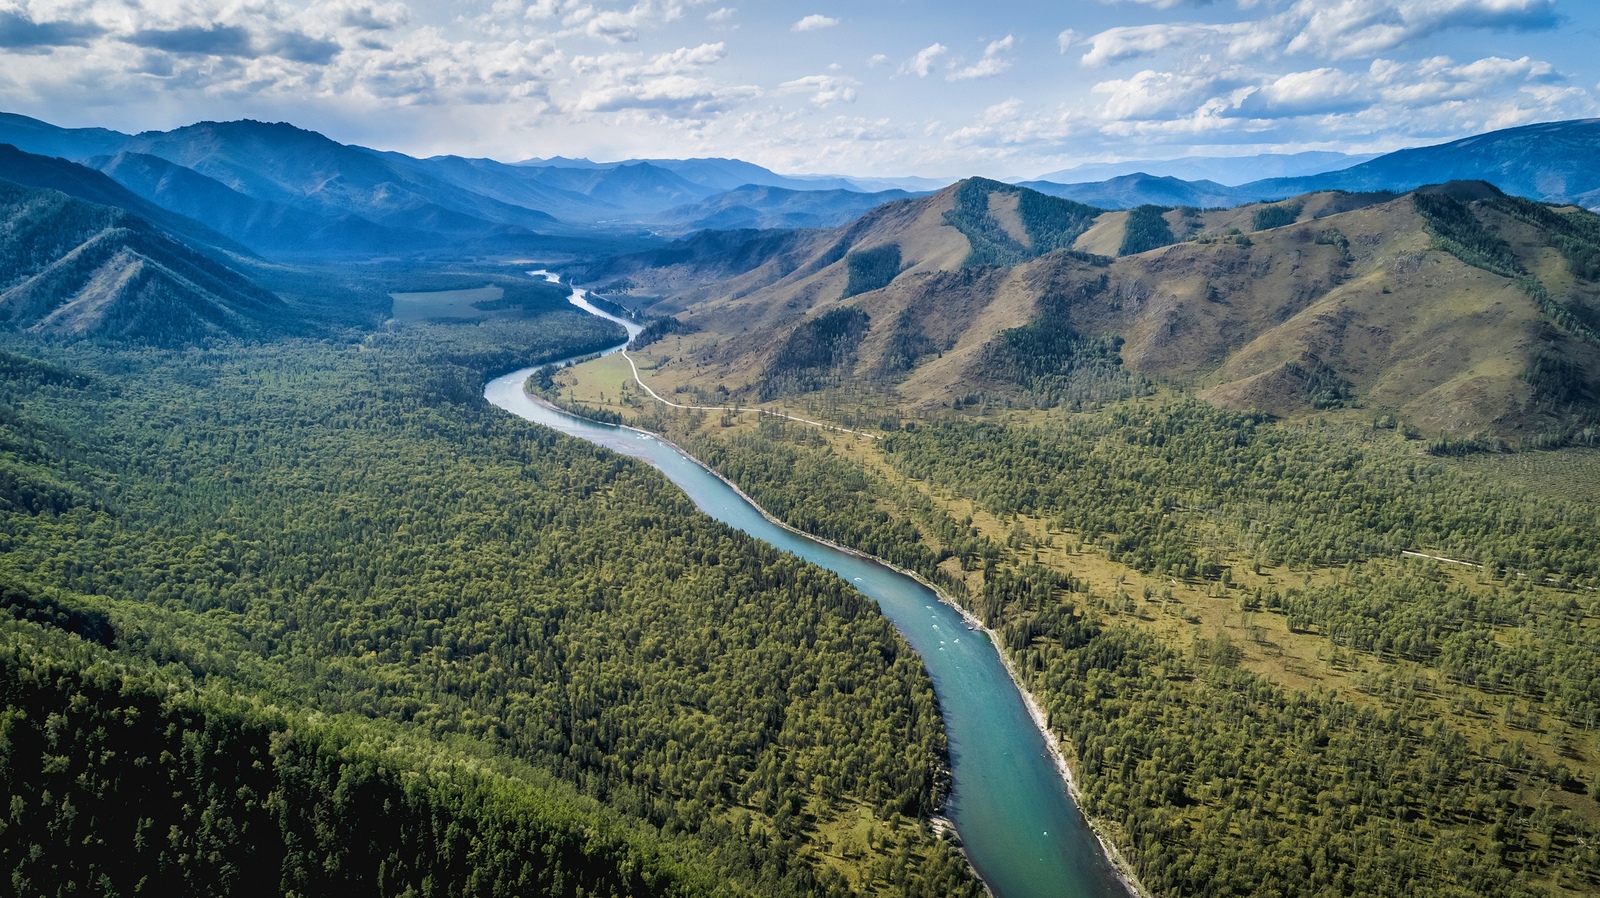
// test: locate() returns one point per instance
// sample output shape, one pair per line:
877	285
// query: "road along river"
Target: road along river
1009	802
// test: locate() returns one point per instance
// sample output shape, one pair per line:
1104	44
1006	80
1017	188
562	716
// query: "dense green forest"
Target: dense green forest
266	559
1213	778
1050	223
1145	230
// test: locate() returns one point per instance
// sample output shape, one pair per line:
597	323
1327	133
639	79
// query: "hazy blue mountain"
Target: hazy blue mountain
636	188
1228	170
42	138
1143	189
260	224
75	269
1553	161
562	162
513	184
85	183
761	207
911	184
280	163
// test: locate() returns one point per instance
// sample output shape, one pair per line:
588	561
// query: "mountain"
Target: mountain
1459	309
1226	170
753	206
516	185
1552	161
87	184
42	138
1141	189
635	189
280	163
261	224
74	269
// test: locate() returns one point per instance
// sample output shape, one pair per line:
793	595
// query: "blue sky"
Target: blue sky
872	87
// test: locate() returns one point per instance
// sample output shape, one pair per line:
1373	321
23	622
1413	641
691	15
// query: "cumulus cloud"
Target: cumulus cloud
1133	41
373	16
921	64
18	31
1353	28
195	40
825	90
814	23
668	82
993	62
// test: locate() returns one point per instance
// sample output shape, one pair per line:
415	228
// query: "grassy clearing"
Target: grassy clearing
435	305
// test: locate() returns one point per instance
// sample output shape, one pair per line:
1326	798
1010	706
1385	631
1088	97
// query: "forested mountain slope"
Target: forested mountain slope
77	269
391	636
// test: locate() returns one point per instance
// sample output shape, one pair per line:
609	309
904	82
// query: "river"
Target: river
1008	803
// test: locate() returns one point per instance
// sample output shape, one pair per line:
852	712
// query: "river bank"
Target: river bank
1125	873
1012	796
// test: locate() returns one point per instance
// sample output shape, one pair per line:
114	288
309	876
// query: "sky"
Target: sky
868	87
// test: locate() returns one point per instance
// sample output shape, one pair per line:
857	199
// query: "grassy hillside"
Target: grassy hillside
1471	316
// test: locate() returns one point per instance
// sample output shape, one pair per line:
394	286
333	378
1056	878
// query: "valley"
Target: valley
1276	509
1123	527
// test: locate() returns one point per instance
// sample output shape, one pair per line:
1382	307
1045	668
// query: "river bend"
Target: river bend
1009	803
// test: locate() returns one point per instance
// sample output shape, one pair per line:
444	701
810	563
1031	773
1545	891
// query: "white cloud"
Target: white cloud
814	23
1133	41
877	60
1342	29
1066	39
667	82
994	62
825	90
921	64
720	16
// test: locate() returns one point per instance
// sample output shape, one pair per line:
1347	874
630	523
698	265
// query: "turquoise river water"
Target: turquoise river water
1009	803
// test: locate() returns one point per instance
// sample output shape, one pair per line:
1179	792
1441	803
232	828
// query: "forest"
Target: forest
1459	755
258	590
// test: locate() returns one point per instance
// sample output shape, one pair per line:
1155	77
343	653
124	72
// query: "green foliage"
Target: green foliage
348	529
1050	223
811	489
529	297
1222	784
1575	233
1053	223
906	346
1275	215
1052	362
1146	229
128	781
1147	481
1457	231
660	328
1324	388
871	269
1335	238
815	353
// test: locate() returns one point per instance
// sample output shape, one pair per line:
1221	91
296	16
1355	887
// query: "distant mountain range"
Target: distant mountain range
282	191
1229	170
1554	161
